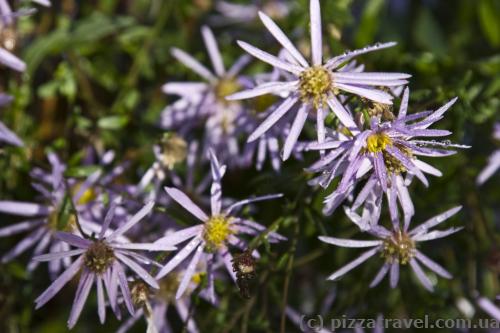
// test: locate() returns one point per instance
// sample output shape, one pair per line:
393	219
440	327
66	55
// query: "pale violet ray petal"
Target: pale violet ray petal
403	108
432	222
432	265
73	239
10	60
183	200
341	113
255	199
19	227
297	126
132	221
179	257
101	305
316	34
422	277
87	279
427	168
60	282
23	208
146	246
353	264
122	282
282	39
270	59
192	63
489	307
183	88
141	272
338	60
181	235
380	275
264	89
273	118
58	255
188	274
213	50
369	93
435	234
394	275
350	242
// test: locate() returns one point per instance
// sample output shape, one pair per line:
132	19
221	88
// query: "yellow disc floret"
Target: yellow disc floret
217	230
225	87
399	248
315	84
377	142
173	150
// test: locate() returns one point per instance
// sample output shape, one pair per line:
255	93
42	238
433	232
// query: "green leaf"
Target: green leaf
112	122
489	18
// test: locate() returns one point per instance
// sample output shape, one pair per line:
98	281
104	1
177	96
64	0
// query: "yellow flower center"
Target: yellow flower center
87	196
263	102
398	248
225	87
173	150
99	257
377	142
315	84
217	230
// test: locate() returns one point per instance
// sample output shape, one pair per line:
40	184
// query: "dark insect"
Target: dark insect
244	267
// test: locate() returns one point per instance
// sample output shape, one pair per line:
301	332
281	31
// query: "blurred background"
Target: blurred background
95	69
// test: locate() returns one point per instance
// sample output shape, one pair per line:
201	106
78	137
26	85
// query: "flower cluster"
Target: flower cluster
367	153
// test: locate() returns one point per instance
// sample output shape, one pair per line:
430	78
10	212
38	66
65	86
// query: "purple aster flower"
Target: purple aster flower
493	161
52	214
210	240
154	304
398	247
169	152
384	151
102	260
315	85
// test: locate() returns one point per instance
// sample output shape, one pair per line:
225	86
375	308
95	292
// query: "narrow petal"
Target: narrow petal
427	236
432	222
73	239
380	275
419	273
270	59
10	60
394	275
353	264
282	39
188	274
122	282
58	255
375	95
403	108
143	274
349	242
179	257
132	221
213	50
316	35
489	307
264	89
432	265
25	244
181	235
19	227
273	118
146	246
293	136
60	282
101	304
23	208
193	64
339	60
255	199
82	293
183	200
341	113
